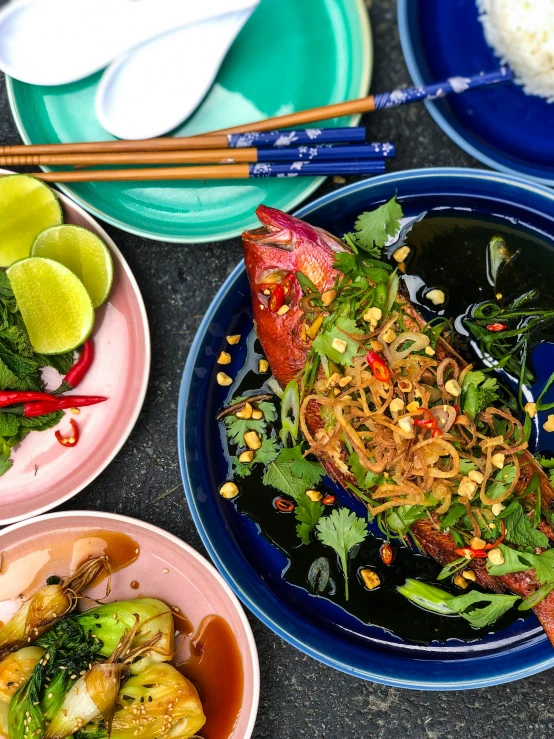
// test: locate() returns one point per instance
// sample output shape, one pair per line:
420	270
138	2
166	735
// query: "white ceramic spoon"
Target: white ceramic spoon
54	42
152	89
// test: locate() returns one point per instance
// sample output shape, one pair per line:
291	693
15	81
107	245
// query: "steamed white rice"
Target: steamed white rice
521	33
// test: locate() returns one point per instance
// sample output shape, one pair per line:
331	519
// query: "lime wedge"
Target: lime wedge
27	207
54	303
83	253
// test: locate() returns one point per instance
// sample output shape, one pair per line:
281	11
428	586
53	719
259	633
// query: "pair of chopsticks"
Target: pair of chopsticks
336	153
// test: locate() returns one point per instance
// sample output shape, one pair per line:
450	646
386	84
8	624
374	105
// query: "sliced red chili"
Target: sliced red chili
436	433
387	554
288	282
378	366
429	423
497	326
471	553
424	423
277	298
283	505
328	499
69	440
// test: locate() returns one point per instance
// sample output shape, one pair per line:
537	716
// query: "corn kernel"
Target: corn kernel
549	424
229	490
429	351
396	405
252	440
377	346
314	495
469	575
497	508
246	457
344	381
371	579
452	387
373	314
476	476
339	345
436	296
234	339
334	379
257	415
530	409
498	459
406	424
412	407
467	488
283	310
401	254
477	543
389	336
224	358
495	557
263	366
328	296
245	412
223	379
460	581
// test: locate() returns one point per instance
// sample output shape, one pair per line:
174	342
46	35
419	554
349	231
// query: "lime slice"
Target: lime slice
54	303
83	253
27	207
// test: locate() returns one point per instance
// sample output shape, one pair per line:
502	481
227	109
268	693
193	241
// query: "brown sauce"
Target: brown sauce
134	585
215	667
182	625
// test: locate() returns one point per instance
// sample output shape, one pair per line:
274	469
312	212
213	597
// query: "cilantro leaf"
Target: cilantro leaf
323	342
307	513
279	475
354	265
453	515
502	480
374	228
515	561
237	427
311	472
268	451
479	392
400	518
341	531
268	409
364	478
519	528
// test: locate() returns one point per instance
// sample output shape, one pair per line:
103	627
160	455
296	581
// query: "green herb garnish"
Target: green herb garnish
341	531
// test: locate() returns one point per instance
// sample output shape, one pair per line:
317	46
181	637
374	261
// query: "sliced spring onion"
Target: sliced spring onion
535	598
274	386
290	414
452	568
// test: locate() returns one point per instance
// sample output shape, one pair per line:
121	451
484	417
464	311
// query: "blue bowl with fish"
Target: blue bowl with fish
472	231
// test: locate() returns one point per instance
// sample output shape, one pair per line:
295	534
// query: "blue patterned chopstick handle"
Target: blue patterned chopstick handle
327	153
440	89
302	137
317	169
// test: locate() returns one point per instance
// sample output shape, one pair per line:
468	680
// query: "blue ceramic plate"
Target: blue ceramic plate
248	561
501	126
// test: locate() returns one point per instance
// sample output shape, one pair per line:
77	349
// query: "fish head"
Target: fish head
276	252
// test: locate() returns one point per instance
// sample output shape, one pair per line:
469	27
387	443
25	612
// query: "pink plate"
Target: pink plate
44	473
166	568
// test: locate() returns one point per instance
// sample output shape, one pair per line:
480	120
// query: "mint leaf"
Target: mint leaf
323	342
9	424
400	518
520	530
515	561
364	478
342	530
8	381
502	480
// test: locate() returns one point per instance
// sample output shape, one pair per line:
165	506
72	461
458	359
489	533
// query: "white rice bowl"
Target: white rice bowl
521	33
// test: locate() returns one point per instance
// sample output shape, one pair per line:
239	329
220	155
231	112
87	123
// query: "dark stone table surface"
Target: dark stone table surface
299	697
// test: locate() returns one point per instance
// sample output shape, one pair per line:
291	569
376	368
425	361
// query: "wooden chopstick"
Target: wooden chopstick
217	172
219	139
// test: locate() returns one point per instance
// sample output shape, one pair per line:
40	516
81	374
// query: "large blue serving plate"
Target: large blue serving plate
500	126
253	566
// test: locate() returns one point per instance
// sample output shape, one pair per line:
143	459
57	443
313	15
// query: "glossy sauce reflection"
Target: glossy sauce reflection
215	667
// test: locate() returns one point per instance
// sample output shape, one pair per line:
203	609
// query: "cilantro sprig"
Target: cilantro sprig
341	531
374	228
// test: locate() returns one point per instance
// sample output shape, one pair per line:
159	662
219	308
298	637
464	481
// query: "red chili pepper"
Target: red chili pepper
473	553
283	505
77	373
328	499
277	298
13	397
69	440
497	327
288	281
378	366
436	433
41	408
428	423
500	539
387	554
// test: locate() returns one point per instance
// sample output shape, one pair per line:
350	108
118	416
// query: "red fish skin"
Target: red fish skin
288	244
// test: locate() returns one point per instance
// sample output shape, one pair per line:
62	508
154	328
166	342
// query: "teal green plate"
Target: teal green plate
291	55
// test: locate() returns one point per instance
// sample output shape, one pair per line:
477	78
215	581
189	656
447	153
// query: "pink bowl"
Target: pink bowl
166	568
44	473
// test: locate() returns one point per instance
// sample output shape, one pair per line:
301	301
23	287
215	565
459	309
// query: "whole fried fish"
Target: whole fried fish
285	245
